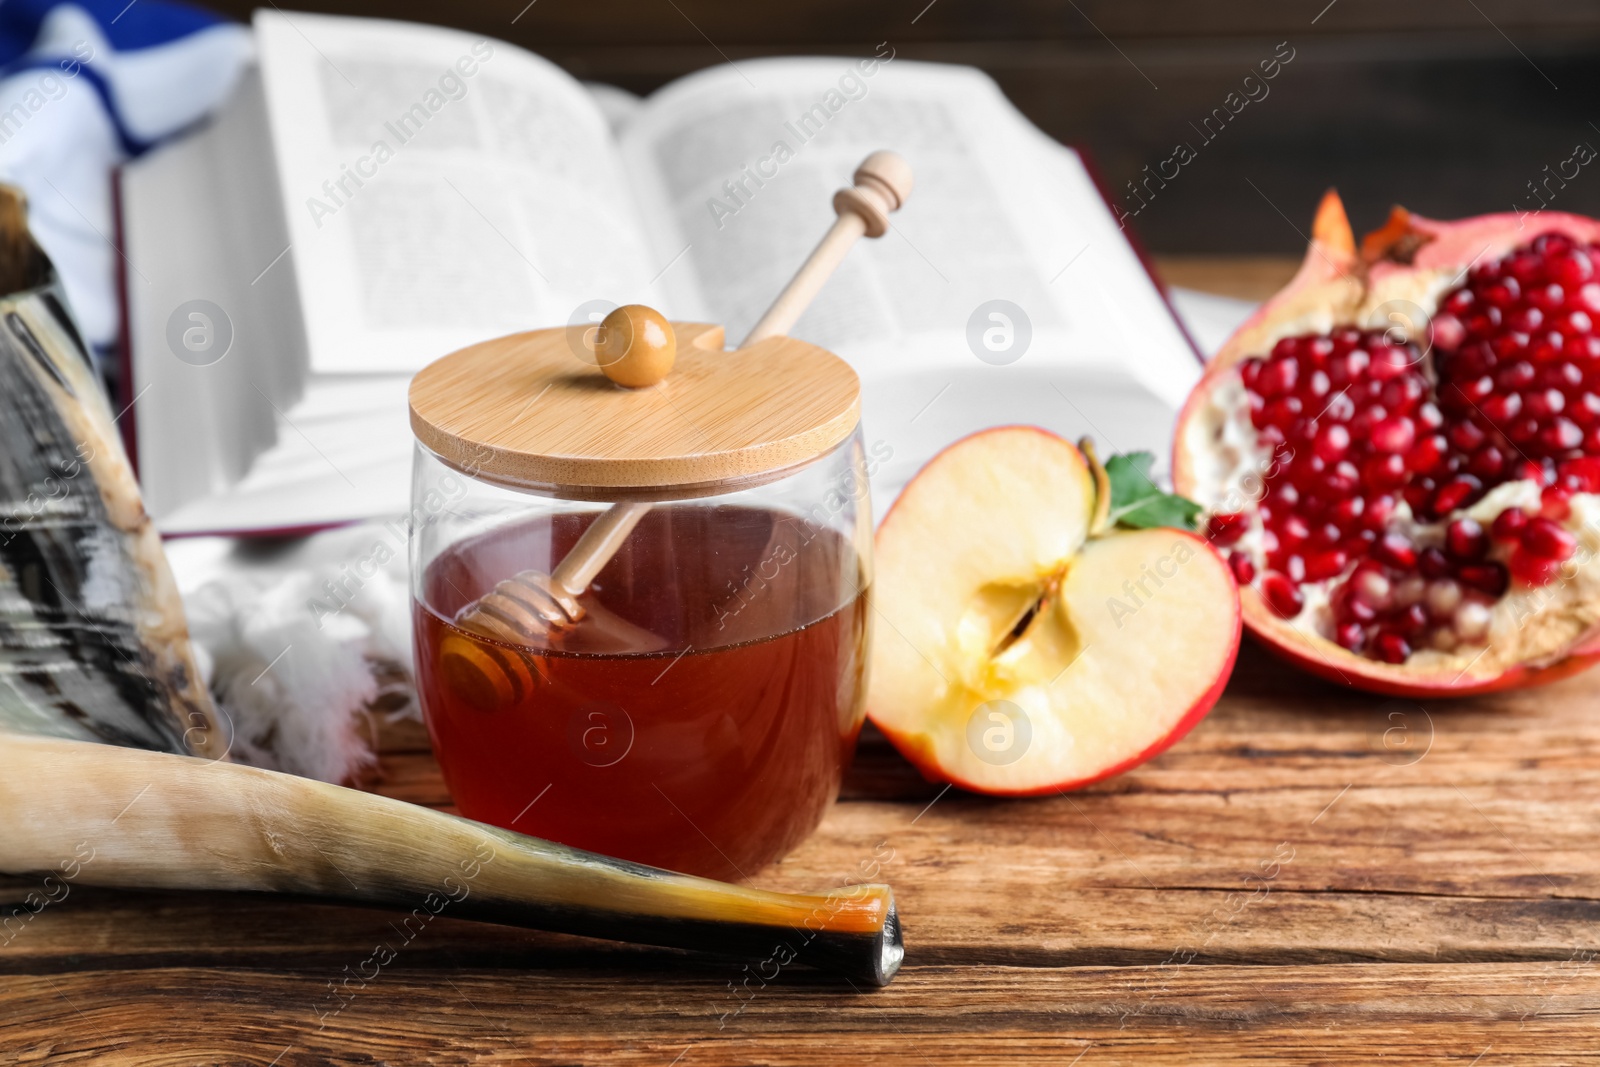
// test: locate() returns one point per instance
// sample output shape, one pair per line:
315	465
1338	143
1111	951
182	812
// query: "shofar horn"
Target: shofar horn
149	820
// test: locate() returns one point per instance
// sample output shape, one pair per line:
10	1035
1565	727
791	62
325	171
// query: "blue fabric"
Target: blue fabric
84	86
126	26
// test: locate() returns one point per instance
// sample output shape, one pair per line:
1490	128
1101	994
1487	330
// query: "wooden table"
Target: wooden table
1312	876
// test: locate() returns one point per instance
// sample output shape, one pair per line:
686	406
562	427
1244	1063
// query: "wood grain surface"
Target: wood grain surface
1312	876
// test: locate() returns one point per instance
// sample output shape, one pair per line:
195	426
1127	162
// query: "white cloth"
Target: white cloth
299	641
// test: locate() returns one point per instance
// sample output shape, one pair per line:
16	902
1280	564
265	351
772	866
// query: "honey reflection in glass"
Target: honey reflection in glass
699	718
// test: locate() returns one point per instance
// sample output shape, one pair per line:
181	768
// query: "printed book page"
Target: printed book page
440	188
1004	293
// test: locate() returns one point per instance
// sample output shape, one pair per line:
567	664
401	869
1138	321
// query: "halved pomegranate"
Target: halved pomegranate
1400	454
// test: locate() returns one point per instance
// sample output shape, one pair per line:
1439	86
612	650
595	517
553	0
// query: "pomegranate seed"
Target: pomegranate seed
1342	370
1547	297
1487	462
1454	493
1548	540
1244	570
1508	525
1488	578
1584	472
1226	529
1466	540
1446	331
1472	622
1529	471
1555	503
1395	550
1350	636
1384	471
1392	648
1404	393
1347	512
1515	376
1429	453
1565	377
1522	431
1411	621
1419	495
1281	594
1370	586
1283	412
1561	435
1525	319
1586	409
1467	436
1543	403
1552	243
1530	569
1331	442
1357	609
1343	478
1572	268
1379	510
1321	566
1409	590
1278	377
1443	597
1394	434
1503	407
1389	364
1432	563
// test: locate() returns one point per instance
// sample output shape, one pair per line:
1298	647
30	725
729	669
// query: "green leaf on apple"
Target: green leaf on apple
1138	503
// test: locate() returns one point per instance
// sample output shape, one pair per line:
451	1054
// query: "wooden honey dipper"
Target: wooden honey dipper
635	347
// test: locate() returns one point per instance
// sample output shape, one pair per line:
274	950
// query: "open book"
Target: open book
378	194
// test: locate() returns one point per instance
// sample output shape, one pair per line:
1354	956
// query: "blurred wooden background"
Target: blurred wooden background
1448	106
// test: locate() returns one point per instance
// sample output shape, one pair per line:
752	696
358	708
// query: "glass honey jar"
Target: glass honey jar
642	610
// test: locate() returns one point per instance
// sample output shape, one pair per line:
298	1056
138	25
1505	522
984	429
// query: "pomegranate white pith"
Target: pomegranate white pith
1411	507
992	589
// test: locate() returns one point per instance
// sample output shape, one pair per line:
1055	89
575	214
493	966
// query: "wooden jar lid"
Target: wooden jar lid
527	411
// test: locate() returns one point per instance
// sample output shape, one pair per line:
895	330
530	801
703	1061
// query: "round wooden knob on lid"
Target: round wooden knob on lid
635	346
533	411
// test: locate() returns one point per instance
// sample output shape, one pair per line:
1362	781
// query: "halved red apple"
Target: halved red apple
1024	651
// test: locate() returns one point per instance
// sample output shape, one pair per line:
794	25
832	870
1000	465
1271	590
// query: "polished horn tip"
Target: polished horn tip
872	956
891	948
